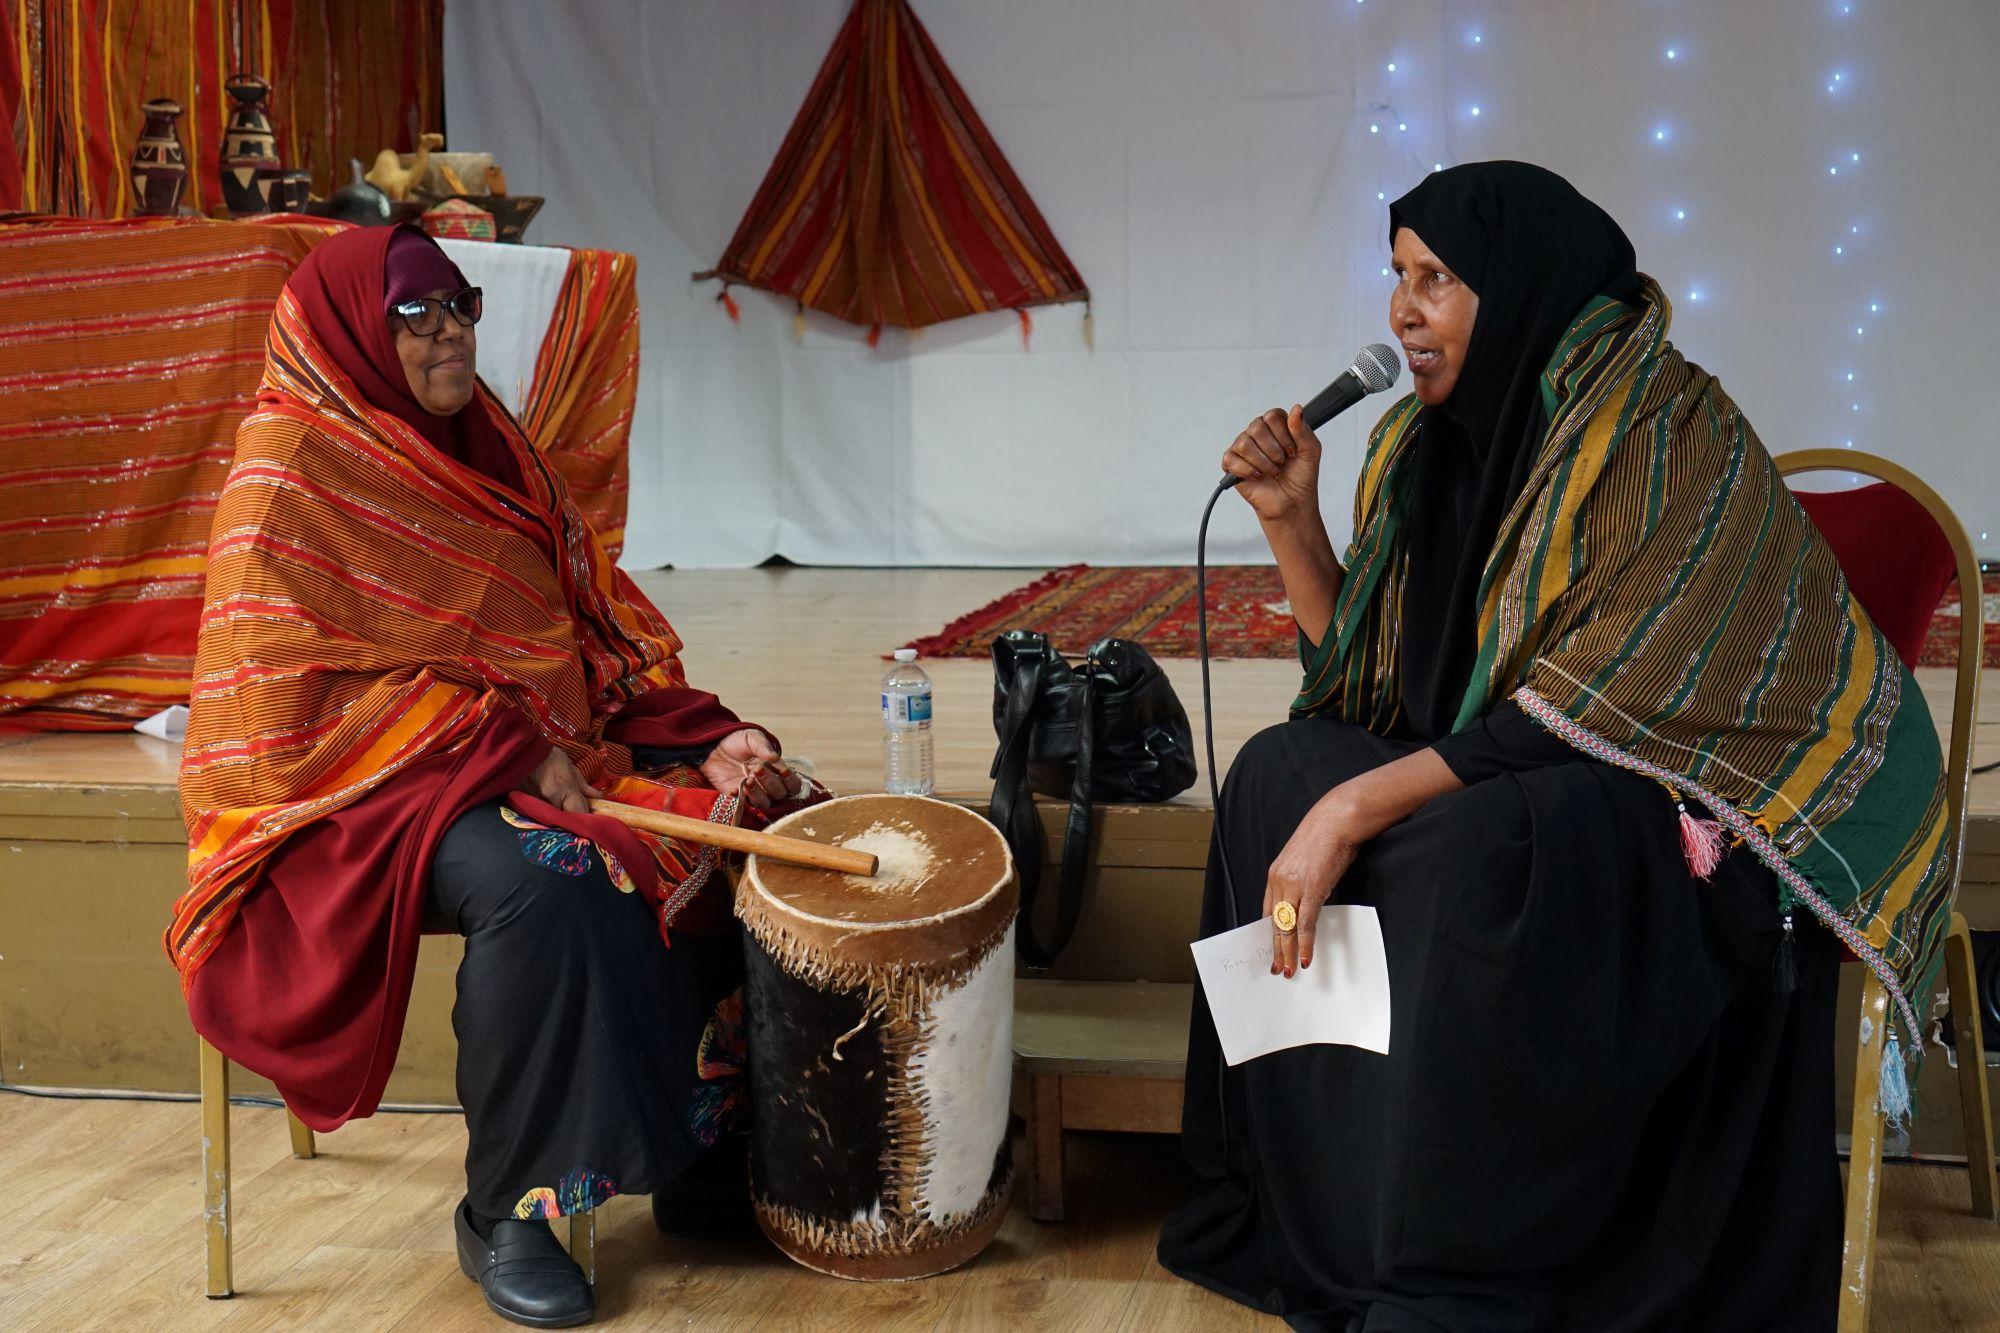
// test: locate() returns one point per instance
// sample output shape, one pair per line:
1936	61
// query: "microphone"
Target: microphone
1375	368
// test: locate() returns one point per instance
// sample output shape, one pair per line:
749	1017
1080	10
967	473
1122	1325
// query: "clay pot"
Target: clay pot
357	202
291	191
249	148
159	167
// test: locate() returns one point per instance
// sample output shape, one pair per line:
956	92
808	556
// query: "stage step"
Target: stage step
1104	1055
92	857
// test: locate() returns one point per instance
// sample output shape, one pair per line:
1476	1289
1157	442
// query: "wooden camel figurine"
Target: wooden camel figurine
392	178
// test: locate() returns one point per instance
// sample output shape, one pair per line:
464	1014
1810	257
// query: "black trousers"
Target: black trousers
593	1059
1596	1112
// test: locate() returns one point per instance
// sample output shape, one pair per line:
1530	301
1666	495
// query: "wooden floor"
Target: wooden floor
107	1236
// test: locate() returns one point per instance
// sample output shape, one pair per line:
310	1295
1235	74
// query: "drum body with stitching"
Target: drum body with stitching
881	1019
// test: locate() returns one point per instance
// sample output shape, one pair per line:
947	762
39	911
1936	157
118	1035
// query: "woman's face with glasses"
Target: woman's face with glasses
438	348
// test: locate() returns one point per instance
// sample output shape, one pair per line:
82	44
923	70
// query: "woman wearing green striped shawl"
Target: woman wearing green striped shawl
1591	719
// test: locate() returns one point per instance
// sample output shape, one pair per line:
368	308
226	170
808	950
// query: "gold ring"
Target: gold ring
1285	917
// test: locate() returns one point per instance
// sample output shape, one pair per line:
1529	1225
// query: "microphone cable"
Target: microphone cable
1207	694
1216	839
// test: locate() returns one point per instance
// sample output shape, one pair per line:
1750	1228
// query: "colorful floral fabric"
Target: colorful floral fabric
719	1064
564	852
578	1192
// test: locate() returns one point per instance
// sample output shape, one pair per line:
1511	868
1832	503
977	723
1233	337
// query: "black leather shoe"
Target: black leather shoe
712	1195
525	1273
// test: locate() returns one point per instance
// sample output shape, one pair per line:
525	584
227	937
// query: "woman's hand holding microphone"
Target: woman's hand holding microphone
1277	456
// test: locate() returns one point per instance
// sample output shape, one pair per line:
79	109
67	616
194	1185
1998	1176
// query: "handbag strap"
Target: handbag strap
1076	834
1012	806
1076	846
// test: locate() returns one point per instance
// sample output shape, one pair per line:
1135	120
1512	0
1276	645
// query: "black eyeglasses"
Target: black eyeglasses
425	315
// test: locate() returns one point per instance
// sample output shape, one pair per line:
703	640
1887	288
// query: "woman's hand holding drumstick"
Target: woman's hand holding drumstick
746	762
793	851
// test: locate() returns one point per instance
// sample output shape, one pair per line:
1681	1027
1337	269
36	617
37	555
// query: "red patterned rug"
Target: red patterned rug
1941	643
1248	615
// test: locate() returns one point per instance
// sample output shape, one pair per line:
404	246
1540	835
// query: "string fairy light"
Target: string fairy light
1394	159
1843	175
1416	119
1838	85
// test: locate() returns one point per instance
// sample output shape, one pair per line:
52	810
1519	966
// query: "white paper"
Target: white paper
1343	998
169	724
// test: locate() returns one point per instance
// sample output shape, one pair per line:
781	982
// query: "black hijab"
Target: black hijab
1535	252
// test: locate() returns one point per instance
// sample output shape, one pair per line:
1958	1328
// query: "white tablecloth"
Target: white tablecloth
521	283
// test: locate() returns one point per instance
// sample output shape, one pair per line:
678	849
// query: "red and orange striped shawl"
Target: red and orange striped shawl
370	603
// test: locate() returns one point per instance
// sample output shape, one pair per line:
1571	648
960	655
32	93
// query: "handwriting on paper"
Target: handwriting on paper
1343	998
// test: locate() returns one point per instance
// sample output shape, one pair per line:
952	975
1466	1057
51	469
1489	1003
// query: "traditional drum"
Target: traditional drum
881	1016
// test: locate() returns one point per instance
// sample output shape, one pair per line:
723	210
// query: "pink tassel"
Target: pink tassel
729	304
874	335
1027	327
1701	844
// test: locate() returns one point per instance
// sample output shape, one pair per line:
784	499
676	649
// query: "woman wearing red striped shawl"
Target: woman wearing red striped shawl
416	667
1592	721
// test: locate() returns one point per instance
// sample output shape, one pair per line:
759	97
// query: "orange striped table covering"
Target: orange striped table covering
129	353
579	405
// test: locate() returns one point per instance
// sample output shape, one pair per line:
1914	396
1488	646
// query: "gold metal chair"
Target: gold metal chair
1864	1165
215	1180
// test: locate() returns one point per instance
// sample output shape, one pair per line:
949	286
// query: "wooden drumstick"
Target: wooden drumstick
793	851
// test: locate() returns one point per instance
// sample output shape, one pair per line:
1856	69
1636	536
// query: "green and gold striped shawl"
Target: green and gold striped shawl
1658	599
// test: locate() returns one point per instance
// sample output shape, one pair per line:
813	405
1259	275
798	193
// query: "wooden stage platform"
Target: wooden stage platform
91	850
800	651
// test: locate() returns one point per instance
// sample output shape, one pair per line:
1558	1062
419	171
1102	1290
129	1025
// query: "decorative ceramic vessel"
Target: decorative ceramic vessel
291	191
249	148
357	201
159	167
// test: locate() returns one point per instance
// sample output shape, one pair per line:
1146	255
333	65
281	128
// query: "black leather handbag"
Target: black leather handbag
1110	730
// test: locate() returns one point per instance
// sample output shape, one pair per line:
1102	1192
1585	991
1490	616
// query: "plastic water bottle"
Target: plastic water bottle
906	727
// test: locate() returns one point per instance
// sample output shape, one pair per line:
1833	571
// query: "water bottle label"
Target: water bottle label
906	710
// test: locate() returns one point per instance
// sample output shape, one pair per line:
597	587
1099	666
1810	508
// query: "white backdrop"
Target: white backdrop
1212	167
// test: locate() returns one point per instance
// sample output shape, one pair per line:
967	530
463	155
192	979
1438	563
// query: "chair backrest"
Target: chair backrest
1900	547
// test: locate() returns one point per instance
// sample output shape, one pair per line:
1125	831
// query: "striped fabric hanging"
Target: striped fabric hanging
890	203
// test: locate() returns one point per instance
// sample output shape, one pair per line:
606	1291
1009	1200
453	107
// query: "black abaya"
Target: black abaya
593	1060
1595	1112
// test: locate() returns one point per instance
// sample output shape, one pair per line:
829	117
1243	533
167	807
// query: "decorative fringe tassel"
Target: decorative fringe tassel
1089	329
799	325
1027	327
874	335
729	304
1785	963
1701	842
1894	1098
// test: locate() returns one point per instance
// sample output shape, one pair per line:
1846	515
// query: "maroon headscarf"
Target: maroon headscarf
344	288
